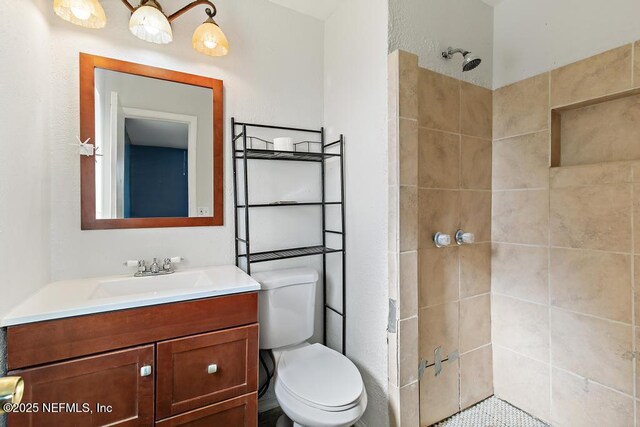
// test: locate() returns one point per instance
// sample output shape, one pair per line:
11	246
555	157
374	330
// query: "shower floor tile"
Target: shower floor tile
492	412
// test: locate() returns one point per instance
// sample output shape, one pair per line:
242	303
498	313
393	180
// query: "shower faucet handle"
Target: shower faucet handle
441	240
464	238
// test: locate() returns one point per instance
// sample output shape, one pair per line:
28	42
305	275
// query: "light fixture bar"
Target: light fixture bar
191	6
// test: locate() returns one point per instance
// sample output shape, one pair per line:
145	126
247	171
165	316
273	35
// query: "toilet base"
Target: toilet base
285	421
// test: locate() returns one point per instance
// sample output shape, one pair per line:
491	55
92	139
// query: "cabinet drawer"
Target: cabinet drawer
200	370
238	412
112	380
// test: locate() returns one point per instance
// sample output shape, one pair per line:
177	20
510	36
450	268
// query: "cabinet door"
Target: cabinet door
106	389
238	412
203	369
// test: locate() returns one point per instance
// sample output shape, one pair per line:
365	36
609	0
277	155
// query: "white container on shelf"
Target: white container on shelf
283	144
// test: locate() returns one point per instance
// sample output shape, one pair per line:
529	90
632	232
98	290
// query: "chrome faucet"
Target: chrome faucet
155	269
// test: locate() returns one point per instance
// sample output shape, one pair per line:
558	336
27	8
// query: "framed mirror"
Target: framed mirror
157	134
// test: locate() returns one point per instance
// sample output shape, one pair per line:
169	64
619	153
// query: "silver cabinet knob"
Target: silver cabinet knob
212	369
441	240
464	238
145	371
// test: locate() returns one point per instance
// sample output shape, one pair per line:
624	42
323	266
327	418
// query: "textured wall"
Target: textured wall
534	36
426	28
356	105
273	74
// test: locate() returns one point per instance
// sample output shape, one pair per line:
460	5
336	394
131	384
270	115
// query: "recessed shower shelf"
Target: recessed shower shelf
289	253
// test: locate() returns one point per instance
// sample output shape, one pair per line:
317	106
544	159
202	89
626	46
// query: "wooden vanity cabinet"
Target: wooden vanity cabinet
187	365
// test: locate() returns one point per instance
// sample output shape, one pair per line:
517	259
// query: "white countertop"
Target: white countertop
100	294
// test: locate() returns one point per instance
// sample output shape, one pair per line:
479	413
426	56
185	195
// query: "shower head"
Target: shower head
470	61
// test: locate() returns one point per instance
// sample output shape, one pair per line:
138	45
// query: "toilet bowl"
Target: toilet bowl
315	385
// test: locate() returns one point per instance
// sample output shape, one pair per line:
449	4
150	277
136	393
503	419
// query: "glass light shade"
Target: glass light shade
150	24
86	13
209	39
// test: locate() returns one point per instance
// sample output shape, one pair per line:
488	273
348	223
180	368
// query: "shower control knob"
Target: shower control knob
441	240
464	238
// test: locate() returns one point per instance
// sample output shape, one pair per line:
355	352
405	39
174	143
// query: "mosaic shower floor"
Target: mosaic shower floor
492	412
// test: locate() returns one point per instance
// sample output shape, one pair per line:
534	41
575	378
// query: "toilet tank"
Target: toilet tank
286	304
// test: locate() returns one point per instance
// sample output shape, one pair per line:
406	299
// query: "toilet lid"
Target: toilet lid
320	376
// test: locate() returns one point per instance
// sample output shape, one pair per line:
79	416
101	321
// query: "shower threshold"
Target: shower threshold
491	412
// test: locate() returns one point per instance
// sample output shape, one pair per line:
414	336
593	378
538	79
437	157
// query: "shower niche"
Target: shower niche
598	130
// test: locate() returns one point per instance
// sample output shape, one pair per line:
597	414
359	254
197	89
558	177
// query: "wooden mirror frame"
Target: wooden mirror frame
88	64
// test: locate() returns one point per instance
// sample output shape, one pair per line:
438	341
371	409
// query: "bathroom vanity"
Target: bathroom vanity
181	355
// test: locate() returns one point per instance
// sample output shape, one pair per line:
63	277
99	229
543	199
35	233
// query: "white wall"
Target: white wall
356	105
535	36
273	74
24	172
426	28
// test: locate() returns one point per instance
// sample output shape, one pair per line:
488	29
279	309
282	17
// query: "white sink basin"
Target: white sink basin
155	285
100	294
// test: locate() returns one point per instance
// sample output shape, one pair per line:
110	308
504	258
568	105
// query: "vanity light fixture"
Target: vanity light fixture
149	23
86	13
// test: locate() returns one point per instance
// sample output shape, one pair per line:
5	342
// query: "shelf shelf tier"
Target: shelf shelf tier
244	155
289	253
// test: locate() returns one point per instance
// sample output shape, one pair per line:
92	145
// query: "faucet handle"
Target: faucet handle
131	263
463	237
141	265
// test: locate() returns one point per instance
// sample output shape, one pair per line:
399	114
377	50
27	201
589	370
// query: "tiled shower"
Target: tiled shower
541	309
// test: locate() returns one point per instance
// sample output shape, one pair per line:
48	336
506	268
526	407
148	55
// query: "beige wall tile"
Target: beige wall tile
408	352
402	85
577	401
476	376
408	218
392	151
475	269
392	359
475	164
475	214
599	75
476	110
522	107
393	224
593	348
590	282
606	132
404	406
521	272
408	147
636	217
520	326
438	275
636	64
393	274
475	322
521	381
602	173
636	278
439	159
438	101
594	217
637	359
438	328
408	301
439	212
439	396
521	162
521	216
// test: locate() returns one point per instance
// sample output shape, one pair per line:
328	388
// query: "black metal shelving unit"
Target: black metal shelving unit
241	132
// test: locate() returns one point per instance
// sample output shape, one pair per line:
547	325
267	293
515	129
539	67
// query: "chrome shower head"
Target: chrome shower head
470	61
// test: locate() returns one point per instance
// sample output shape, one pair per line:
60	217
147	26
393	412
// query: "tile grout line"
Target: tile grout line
458	252
633	288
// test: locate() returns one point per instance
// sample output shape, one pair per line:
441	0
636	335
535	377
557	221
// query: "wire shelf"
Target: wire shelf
284	155
289	253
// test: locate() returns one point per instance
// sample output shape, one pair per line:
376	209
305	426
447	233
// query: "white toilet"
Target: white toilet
315	386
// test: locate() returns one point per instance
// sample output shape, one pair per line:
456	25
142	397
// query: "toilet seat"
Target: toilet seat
317	386
321	377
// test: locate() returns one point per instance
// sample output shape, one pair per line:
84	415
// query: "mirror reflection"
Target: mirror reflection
154	142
